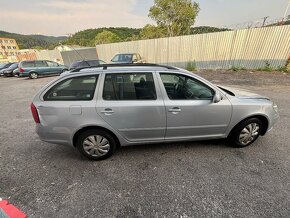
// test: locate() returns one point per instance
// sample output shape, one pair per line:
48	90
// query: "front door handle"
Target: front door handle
175	110
107	111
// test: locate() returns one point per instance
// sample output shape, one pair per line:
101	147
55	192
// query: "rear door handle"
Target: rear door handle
107	111
175	110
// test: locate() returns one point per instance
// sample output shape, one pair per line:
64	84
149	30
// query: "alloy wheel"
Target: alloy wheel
96	145
249	133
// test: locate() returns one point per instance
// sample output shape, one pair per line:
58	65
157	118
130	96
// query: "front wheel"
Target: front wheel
33	75
246	132
96	144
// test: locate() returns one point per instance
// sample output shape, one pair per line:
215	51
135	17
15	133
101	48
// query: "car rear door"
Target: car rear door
190	110
41	67
67	105
132	104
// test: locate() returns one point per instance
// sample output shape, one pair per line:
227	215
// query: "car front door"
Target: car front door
132	104
53	67
190	110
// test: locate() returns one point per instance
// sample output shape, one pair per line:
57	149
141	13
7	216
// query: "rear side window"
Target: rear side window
28	64
73	89
40	64
129	86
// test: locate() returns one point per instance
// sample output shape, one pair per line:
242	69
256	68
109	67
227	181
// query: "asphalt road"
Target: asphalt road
196	179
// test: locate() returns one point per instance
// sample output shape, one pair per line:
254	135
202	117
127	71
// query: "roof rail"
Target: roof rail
105	66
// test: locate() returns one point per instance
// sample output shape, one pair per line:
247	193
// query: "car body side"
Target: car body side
60	124
41	70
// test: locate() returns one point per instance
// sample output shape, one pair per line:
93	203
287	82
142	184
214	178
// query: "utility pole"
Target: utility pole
264	20
285	14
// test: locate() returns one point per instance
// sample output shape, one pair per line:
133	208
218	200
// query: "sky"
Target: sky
63	17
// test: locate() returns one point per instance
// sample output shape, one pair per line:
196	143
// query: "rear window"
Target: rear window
80	88
13	66
40	64
28	64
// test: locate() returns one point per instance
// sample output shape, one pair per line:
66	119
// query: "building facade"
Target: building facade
8	49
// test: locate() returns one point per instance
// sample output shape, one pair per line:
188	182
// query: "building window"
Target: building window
3	46
14	47
8	47
1	41
6	41
12	41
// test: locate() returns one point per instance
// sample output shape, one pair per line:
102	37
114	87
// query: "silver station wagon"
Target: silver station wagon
99	109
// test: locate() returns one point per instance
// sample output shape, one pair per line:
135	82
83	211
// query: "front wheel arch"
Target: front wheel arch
262	118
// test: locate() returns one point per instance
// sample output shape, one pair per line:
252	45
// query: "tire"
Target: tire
246	133
88	145
33	75
64	70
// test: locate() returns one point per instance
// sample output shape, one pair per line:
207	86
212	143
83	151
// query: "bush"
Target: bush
191	66
234	68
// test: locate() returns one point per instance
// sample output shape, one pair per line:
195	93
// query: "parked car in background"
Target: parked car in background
16	72
8	72
34	69
4	67
145	104
130	58
85	63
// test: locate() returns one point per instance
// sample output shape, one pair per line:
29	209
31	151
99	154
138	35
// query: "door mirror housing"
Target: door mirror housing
217	97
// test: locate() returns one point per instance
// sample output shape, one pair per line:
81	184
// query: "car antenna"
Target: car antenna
76	52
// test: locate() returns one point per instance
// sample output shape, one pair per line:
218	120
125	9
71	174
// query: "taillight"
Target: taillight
21	70
34	113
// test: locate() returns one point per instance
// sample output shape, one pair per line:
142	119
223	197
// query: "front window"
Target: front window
181	87
73	89
52	64
129	86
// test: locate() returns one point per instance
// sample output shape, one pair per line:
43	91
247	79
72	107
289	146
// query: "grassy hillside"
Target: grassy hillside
87	37
32	41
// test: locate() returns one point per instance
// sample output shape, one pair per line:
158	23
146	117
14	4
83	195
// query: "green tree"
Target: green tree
152	32
106	37
177	16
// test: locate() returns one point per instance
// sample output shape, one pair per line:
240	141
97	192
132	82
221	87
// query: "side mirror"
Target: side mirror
217	97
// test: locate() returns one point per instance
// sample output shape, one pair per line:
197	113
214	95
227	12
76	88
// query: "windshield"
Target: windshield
13	66
123	58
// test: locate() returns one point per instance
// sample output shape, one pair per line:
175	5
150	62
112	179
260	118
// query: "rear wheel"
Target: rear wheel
246	132
96	144
33	75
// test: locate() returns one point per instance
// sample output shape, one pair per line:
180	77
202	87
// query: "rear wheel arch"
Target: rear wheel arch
31	72
87	128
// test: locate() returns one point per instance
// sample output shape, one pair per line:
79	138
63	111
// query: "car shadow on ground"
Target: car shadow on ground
69	153
175	145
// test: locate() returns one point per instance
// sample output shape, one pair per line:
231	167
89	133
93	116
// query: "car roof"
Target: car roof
115	68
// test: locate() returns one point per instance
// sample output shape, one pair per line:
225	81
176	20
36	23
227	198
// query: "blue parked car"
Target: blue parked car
34	69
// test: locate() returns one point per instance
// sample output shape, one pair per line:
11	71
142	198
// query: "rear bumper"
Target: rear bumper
23	74
52	137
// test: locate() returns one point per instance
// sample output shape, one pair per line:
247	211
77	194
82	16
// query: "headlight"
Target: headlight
275	107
